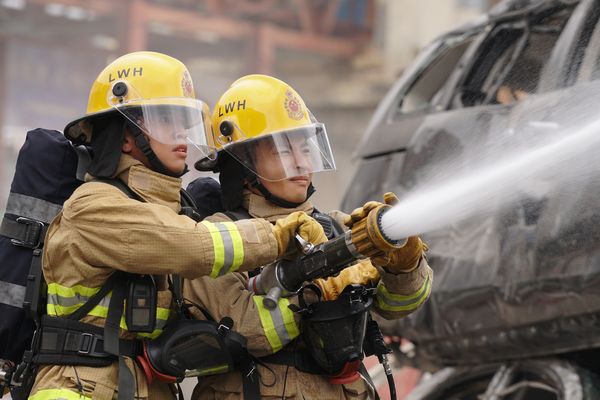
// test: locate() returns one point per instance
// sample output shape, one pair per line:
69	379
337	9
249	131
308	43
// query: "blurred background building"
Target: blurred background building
341	56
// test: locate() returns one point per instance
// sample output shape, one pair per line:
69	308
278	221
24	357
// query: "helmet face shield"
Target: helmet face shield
285	154
173	121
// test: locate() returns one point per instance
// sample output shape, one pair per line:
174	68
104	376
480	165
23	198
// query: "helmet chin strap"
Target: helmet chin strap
144	145
255	183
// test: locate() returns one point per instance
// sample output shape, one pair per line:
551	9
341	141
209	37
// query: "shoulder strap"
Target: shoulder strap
189	207
238	214
99	295
119	184
331	227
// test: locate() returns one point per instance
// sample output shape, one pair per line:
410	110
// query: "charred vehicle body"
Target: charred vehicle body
515	308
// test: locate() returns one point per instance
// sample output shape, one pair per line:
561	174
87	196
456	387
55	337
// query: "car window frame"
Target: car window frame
561	70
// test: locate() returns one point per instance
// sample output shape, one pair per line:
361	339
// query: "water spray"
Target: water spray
558	163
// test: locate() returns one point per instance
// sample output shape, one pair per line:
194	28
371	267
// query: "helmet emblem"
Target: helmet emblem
292	106
186	85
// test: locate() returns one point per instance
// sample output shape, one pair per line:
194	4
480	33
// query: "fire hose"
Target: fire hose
365	239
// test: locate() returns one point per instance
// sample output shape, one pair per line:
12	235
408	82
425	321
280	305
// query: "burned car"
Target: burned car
516	295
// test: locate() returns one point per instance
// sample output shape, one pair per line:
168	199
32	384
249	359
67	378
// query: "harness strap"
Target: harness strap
119	184
99	295
301	360
111	339
71	342
24	232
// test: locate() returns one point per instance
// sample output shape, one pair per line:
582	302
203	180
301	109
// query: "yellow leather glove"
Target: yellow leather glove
395	261
366	235
406	258
360	213
362	273
299	222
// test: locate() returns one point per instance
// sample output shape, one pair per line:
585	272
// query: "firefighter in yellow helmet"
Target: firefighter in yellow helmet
121	234
269	147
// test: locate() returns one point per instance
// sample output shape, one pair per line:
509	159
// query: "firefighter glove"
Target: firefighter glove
362	273
299	222
406	258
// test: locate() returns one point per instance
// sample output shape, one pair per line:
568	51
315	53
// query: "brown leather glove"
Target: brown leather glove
299	222
362	273
406	258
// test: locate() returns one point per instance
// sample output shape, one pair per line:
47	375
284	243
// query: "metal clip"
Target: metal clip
304	245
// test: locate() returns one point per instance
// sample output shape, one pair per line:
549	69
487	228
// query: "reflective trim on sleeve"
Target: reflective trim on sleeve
237	245
228	247
63	300
278	324
396	302
58	394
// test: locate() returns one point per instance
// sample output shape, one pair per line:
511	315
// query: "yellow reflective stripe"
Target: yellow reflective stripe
73	291
219	249
219	369
278	324
60	311
267	324
58	394
396	302
238	246
288	318
75	294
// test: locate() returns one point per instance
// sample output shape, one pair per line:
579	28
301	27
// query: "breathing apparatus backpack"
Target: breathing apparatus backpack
47	172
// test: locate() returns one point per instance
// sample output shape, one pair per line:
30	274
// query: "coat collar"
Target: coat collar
259	207
151	186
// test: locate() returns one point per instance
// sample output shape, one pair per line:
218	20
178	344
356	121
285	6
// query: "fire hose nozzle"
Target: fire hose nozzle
369	238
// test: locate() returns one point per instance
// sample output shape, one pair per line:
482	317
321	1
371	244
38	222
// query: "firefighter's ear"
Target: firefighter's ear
128	144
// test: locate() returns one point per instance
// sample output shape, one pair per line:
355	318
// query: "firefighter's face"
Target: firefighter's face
271	162
172	156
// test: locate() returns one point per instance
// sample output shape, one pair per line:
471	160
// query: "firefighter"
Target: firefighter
270	146
121	233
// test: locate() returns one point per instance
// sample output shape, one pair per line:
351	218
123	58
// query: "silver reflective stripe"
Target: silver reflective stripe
11	294
58	300
279	325
227	247
31	207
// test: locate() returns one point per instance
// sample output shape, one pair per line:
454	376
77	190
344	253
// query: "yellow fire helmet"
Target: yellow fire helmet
260	115
154	92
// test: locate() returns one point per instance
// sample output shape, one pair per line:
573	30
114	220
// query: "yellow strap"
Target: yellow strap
219	249
58	394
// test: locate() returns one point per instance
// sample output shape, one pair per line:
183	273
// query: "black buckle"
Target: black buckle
87	345
34	233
